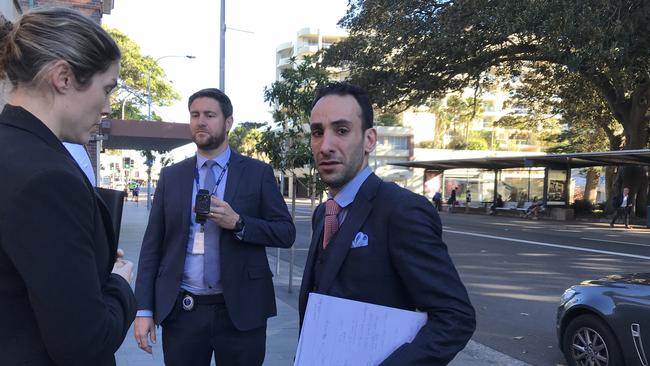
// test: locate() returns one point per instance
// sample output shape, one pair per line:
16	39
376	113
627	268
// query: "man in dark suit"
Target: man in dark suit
376	242
623	204
209	285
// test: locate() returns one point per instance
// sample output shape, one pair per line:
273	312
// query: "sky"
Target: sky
191	27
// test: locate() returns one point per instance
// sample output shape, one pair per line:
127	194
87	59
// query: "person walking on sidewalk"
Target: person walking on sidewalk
204	276
65	297
376	242
437	200
623	205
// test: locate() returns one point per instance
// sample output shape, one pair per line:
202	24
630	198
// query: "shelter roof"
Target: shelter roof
555	161
144	135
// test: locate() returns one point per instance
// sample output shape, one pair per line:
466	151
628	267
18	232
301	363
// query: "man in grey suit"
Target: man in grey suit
209	284
376	242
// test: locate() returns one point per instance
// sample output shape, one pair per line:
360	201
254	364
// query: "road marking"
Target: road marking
551	245
617	242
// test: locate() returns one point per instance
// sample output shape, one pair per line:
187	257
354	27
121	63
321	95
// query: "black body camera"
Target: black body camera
202	205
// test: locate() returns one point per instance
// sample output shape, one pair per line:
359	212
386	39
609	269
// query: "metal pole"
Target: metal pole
222	49
293	218
148	97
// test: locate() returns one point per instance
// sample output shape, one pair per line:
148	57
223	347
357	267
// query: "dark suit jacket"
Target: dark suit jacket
252	191
405	265
59	302
618	200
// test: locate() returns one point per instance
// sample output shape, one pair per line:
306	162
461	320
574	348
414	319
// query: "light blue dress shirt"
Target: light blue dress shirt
349	191
193	273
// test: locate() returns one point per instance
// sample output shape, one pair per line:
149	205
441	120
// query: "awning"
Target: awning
554	161
144	135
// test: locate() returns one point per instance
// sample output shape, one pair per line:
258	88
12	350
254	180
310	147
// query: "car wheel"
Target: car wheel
588	341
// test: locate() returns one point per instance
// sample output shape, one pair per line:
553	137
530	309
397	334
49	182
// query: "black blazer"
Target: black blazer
618	201
252	191
405	265
59	302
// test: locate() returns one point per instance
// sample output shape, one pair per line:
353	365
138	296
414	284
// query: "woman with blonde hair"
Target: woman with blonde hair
65	297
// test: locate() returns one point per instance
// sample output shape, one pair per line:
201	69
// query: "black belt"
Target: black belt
189	300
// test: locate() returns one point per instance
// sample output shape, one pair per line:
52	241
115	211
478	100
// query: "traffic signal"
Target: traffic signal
126	162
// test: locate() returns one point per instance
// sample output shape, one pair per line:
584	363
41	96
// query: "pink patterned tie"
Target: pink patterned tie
332	209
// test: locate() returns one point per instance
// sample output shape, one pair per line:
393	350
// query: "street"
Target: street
515	271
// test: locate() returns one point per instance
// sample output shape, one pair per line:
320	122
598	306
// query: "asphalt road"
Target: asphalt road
515	271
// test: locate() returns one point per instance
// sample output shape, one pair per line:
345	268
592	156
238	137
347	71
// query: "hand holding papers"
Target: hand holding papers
345	332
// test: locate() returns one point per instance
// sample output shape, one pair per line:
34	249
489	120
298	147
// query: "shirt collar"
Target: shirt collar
349	191
221	159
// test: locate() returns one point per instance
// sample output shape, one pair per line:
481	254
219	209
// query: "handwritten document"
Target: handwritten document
341	332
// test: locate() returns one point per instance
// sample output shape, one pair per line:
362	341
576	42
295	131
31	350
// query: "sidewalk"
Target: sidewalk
282	330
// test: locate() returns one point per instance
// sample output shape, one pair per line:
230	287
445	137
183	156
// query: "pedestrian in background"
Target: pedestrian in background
451	202
437	200
623	204
59	302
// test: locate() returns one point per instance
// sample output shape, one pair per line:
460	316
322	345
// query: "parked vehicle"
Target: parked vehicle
606	322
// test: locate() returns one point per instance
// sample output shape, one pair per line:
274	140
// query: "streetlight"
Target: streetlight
149	82
149	161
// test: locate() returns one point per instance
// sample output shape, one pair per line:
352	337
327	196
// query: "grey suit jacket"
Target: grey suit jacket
252	191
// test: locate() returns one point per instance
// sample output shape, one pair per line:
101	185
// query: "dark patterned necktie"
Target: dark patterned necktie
332	210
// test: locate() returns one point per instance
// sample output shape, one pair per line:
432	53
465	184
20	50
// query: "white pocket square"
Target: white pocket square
360	240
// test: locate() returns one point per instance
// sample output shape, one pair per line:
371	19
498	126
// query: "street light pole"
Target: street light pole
150	162
222	49
149	80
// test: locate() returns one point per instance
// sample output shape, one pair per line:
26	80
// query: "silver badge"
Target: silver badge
188	303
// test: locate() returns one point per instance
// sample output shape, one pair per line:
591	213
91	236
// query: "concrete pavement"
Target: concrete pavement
282	331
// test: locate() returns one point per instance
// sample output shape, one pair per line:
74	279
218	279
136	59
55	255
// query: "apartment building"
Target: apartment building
308	41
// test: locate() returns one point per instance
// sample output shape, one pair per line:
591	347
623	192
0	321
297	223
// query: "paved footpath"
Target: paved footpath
282	330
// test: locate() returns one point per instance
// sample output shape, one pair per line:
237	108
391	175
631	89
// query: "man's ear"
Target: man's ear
229	122
370	140
61	77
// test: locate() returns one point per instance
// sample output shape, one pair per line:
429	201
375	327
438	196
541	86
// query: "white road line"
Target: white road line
551	245
617	242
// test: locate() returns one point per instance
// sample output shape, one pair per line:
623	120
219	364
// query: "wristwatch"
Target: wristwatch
239	226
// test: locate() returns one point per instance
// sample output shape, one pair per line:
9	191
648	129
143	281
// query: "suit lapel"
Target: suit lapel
316	239
185	182
354	219
235	170
108	228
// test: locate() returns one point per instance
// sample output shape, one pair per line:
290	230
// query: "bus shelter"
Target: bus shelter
524	177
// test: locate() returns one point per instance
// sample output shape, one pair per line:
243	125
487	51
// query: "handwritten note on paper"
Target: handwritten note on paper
341	332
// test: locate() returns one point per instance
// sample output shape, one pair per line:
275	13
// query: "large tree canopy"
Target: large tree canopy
135	69
406	52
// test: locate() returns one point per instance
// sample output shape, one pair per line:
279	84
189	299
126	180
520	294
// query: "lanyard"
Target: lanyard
216	185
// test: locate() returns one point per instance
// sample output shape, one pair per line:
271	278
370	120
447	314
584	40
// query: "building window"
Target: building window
394	142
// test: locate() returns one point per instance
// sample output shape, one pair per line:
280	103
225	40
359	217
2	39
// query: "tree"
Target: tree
287	144
136	73
409	51
245	137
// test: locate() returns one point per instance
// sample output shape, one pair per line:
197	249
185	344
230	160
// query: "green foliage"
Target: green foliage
287	145
388	119
408	52
245	137
429	144
582	207
134	75
476	143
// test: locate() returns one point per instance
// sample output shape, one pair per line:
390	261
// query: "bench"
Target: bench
508	206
